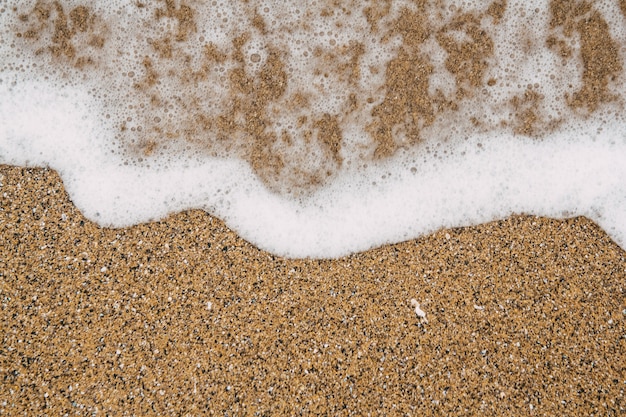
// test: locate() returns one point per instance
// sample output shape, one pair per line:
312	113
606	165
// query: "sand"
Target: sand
525	316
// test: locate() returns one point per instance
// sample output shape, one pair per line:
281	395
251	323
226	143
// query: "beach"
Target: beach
524	316
316	129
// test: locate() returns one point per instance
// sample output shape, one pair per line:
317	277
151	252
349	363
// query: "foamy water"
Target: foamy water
321	129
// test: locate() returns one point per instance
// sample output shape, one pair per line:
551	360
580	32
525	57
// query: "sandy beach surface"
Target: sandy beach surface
525	316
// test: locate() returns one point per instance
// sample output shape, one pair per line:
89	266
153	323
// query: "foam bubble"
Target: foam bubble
326	128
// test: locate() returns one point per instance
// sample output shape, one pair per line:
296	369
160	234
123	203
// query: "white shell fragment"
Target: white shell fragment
420	313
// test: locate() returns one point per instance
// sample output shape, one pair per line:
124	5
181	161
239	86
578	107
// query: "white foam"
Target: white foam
473	177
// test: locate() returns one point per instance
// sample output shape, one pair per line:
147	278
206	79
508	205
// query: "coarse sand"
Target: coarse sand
182	317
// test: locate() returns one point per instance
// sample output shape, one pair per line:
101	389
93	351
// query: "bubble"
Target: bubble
309	115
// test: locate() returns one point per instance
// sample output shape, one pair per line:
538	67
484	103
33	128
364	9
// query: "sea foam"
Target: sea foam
323	129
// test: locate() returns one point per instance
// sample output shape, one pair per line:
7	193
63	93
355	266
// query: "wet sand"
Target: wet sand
525	316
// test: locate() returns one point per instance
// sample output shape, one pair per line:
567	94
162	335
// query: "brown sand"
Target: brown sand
182	317
408	113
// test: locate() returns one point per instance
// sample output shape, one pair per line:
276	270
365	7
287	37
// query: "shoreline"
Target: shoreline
180	316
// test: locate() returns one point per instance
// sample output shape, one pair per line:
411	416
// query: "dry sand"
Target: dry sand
182	317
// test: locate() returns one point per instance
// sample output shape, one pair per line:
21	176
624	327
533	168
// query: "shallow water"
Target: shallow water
326	128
